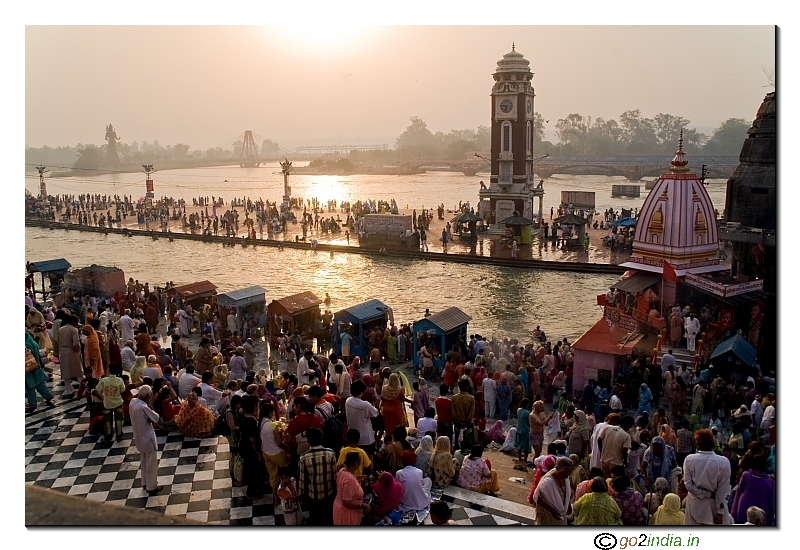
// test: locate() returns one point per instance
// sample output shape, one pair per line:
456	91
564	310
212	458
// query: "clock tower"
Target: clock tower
511	185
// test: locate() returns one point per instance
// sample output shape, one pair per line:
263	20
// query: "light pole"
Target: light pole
149	189
42	186
541	197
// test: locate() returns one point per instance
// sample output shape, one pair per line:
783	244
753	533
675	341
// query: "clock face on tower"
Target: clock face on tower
529	107
506	105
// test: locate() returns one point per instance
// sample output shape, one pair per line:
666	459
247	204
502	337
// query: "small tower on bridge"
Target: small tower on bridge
511	185
249	155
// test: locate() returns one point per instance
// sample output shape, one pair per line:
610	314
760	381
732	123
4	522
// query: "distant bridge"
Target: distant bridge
631	170
467	167
634	167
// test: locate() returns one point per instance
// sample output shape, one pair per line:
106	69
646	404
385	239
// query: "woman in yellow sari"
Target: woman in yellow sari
194	420
669	513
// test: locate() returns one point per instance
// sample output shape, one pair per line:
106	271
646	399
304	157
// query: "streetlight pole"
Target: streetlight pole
541	197
42	186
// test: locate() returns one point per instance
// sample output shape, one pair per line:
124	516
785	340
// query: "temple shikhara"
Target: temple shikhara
675	266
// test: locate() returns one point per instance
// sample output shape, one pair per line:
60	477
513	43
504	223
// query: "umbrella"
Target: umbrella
516	219
624	222
571	219
467	217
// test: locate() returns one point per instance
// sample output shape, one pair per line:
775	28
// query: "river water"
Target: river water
502	301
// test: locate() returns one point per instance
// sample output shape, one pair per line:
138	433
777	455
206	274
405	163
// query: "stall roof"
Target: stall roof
638	281
740	347
297	302
242	296
602	339
194	289
449	319
362	312
49	266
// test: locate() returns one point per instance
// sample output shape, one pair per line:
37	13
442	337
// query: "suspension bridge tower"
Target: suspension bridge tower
249	155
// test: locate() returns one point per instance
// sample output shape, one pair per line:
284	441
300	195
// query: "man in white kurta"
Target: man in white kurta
595	461
692	327
707	476
186	322
127	326
143	420
232	324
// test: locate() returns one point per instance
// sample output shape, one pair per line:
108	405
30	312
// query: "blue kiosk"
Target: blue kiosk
360	318
444	329
250	303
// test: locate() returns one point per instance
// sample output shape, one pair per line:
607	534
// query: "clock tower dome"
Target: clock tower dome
512	180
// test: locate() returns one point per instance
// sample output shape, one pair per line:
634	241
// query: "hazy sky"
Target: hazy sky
202	85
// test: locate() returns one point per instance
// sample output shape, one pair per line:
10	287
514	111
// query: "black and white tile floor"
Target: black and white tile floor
61	455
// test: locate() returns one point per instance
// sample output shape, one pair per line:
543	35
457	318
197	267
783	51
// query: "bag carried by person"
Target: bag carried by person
222	427
31	363
332	431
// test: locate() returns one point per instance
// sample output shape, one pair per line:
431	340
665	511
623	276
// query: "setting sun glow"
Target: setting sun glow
336	37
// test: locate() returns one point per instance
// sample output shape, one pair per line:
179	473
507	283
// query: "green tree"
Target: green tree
89	157
693	140
668	129
638	132
180	151
417	138
573	131
538	128
728	138
269	148
457	149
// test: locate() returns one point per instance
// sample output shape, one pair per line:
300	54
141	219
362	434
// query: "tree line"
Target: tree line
579	135
89	156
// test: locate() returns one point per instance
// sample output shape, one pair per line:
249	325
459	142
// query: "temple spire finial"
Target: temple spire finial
679	162
513	46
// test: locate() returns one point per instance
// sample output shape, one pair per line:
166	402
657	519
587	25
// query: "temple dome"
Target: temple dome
677	224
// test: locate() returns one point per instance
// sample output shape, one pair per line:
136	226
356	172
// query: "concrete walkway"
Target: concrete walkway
45	507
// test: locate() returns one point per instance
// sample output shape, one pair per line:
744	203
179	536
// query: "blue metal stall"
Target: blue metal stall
445	329
362	317
251	307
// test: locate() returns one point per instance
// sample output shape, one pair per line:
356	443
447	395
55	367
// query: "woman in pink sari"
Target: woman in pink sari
478	375
354	369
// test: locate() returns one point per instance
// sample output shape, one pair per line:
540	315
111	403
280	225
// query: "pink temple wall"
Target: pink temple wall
590	360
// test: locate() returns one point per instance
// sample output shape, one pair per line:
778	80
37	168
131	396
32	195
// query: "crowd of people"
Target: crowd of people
341	443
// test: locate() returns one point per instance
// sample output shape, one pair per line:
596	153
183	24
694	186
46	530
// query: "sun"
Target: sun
321	37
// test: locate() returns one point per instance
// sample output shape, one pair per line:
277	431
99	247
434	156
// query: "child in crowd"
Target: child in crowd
290	499
352	447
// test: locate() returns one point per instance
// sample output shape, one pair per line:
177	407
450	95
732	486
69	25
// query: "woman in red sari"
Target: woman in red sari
450	374
393	407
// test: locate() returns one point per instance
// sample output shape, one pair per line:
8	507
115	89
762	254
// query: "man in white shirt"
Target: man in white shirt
188	381
211	394
708	481
127	325
359	414
667	361
143	421
428	423
302	368
231	322
128	356
692	327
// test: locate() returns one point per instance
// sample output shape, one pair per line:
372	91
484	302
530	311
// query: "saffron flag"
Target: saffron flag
669	273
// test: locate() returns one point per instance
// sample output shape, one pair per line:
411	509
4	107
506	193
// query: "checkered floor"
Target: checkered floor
61	455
